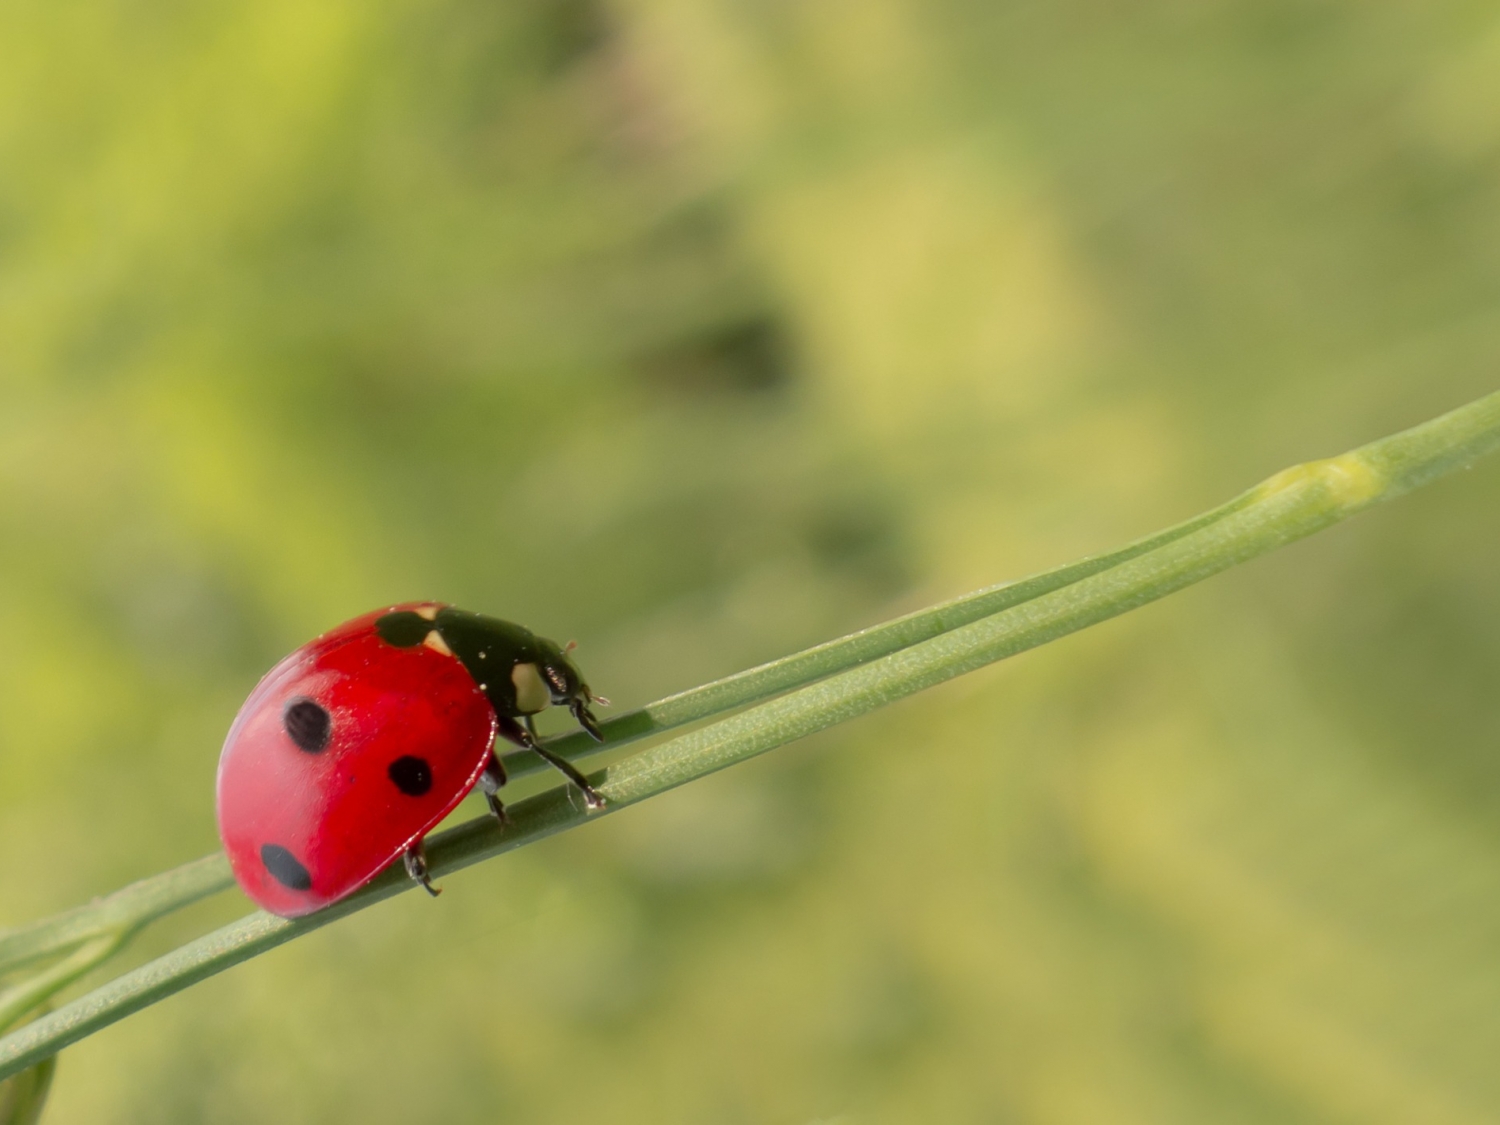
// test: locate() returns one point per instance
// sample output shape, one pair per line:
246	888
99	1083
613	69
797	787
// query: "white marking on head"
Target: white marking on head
434	640
427	612
532	693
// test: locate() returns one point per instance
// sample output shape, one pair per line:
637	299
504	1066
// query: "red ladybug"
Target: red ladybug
357	744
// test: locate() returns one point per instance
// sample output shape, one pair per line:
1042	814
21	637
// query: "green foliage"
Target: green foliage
24	1095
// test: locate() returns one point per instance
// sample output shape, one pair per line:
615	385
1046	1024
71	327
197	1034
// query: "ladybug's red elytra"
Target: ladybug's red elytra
355	746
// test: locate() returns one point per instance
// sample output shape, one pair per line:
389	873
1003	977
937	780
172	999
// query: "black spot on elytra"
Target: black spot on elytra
307	724
402	629
413	776
285	868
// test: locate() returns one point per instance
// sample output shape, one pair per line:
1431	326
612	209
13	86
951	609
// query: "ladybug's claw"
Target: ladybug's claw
591	795
497	810
416	867
489	784
586	720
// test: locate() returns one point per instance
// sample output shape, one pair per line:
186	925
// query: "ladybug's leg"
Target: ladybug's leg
416	867
513	731
586	720
489	784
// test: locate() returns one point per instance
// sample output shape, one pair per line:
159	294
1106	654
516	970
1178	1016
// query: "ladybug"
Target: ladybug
355	746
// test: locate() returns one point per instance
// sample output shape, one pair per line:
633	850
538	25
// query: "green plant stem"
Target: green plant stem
777	676
143	902
1288	506
35	990
122	912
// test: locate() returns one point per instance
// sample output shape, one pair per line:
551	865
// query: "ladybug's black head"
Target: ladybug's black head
565	682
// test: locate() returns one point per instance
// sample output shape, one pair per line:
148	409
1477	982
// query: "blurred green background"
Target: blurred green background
702	330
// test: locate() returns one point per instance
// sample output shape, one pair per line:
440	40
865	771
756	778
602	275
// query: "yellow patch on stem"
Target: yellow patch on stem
1349	479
